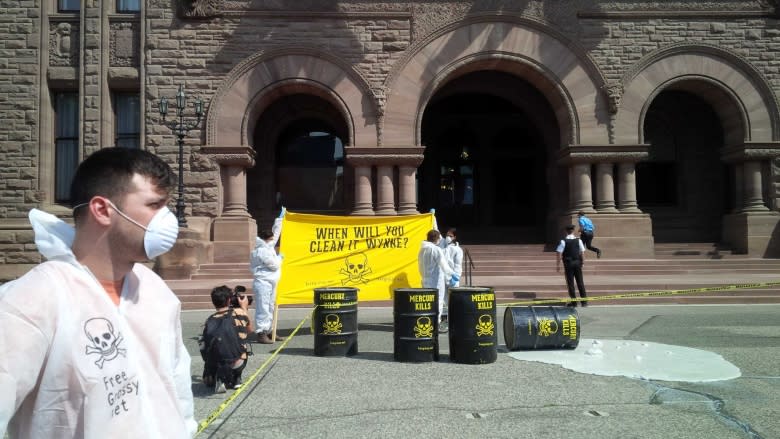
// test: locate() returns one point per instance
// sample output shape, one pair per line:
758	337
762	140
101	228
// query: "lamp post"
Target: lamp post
181	128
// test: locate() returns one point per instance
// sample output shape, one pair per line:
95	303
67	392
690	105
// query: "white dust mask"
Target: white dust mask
449	239
161	233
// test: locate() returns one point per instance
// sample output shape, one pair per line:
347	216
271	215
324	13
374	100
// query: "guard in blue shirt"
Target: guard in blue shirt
586	233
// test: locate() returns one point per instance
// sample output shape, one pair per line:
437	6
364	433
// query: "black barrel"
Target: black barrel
416	324
541	327
472	321
334	321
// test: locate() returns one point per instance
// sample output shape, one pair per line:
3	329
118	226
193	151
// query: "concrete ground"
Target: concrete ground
297	394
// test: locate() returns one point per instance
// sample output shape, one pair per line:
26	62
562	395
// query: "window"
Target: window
127	120
128	6
66	143
68	5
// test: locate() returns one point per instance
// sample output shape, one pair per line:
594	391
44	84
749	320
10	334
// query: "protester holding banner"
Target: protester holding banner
433	266
266	269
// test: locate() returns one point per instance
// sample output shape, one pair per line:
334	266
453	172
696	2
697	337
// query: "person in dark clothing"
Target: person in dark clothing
572	252
586	233
225	373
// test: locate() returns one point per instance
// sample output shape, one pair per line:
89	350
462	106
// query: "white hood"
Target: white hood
53	236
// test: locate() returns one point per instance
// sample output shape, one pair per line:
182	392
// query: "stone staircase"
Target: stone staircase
522	273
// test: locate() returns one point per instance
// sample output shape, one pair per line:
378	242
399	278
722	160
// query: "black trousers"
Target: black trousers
587	239
573	271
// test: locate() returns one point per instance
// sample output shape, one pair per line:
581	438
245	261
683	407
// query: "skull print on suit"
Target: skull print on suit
120	371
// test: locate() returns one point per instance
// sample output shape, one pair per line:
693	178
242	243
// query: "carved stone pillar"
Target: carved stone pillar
605	185
627	188
234	230
407	189
580	189
752	229
623	230
385	160
363	202
753	198
385	191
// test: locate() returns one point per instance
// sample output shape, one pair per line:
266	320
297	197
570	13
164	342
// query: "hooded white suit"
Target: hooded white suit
73	364
434	269
266	269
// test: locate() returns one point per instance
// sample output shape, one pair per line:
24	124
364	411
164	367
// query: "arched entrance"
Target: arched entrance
489	138
683	184
299	140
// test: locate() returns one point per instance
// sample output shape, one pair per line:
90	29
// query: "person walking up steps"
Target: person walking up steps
586	233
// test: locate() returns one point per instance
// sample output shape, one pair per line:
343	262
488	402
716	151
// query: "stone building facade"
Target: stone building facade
659	119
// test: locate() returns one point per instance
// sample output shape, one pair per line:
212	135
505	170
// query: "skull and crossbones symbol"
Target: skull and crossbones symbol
356	268
105	342
423	328
485	325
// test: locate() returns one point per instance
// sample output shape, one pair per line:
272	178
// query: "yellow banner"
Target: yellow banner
373	254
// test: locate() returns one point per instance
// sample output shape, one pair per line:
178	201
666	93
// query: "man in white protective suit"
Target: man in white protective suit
90	341
433	266
266	267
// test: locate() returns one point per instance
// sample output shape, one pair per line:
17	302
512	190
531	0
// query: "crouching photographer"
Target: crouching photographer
224	345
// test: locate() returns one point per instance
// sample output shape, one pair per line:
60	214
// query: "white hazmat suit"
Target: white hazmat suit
454	256
434	269
266	269
74	364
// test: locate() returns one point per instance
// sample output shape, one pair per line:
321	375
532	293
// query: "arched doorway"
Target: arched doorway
299	140
683	185
489	139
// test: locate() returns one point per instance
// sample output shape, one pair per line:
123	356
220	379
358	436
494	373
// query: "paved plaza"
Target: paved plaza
296	394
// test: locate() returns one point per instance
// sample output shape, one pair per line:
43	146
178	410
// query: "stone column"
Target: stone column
627	188
407	159
407	190
605	185
753	198
385	191
363	201
234	231
580	187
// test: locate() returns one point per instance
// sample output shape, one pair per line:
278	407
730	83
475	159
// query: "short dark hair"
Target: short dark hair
570	228
108	172
266	234
433	235
220	296
580	213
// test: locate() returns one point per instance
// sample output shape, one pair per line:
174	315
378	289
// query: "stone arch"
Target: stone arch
265	76
737	91
565	75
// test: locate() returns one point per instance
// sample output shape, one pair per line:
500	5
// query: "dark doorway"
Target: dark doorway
486	158
682	184
299	141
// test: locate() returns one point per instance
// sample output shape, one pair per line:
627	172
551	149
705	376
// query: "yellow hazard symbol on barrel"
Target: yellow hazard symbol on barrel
423	327
485	325
332	324
547	327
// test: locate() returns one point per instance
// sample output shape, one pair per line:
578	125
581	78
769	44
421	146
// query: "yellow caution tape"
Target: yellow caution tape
645	294
216	413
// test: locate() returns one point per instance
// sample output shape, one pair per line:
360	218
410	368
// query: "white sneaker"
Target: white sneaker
219	387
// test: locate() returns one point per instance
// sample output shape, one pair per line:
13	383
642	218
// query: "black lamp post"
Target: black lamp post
180	128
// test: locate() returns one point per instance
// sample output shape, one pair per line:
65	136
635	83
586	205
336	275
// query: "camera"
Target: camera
238	291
